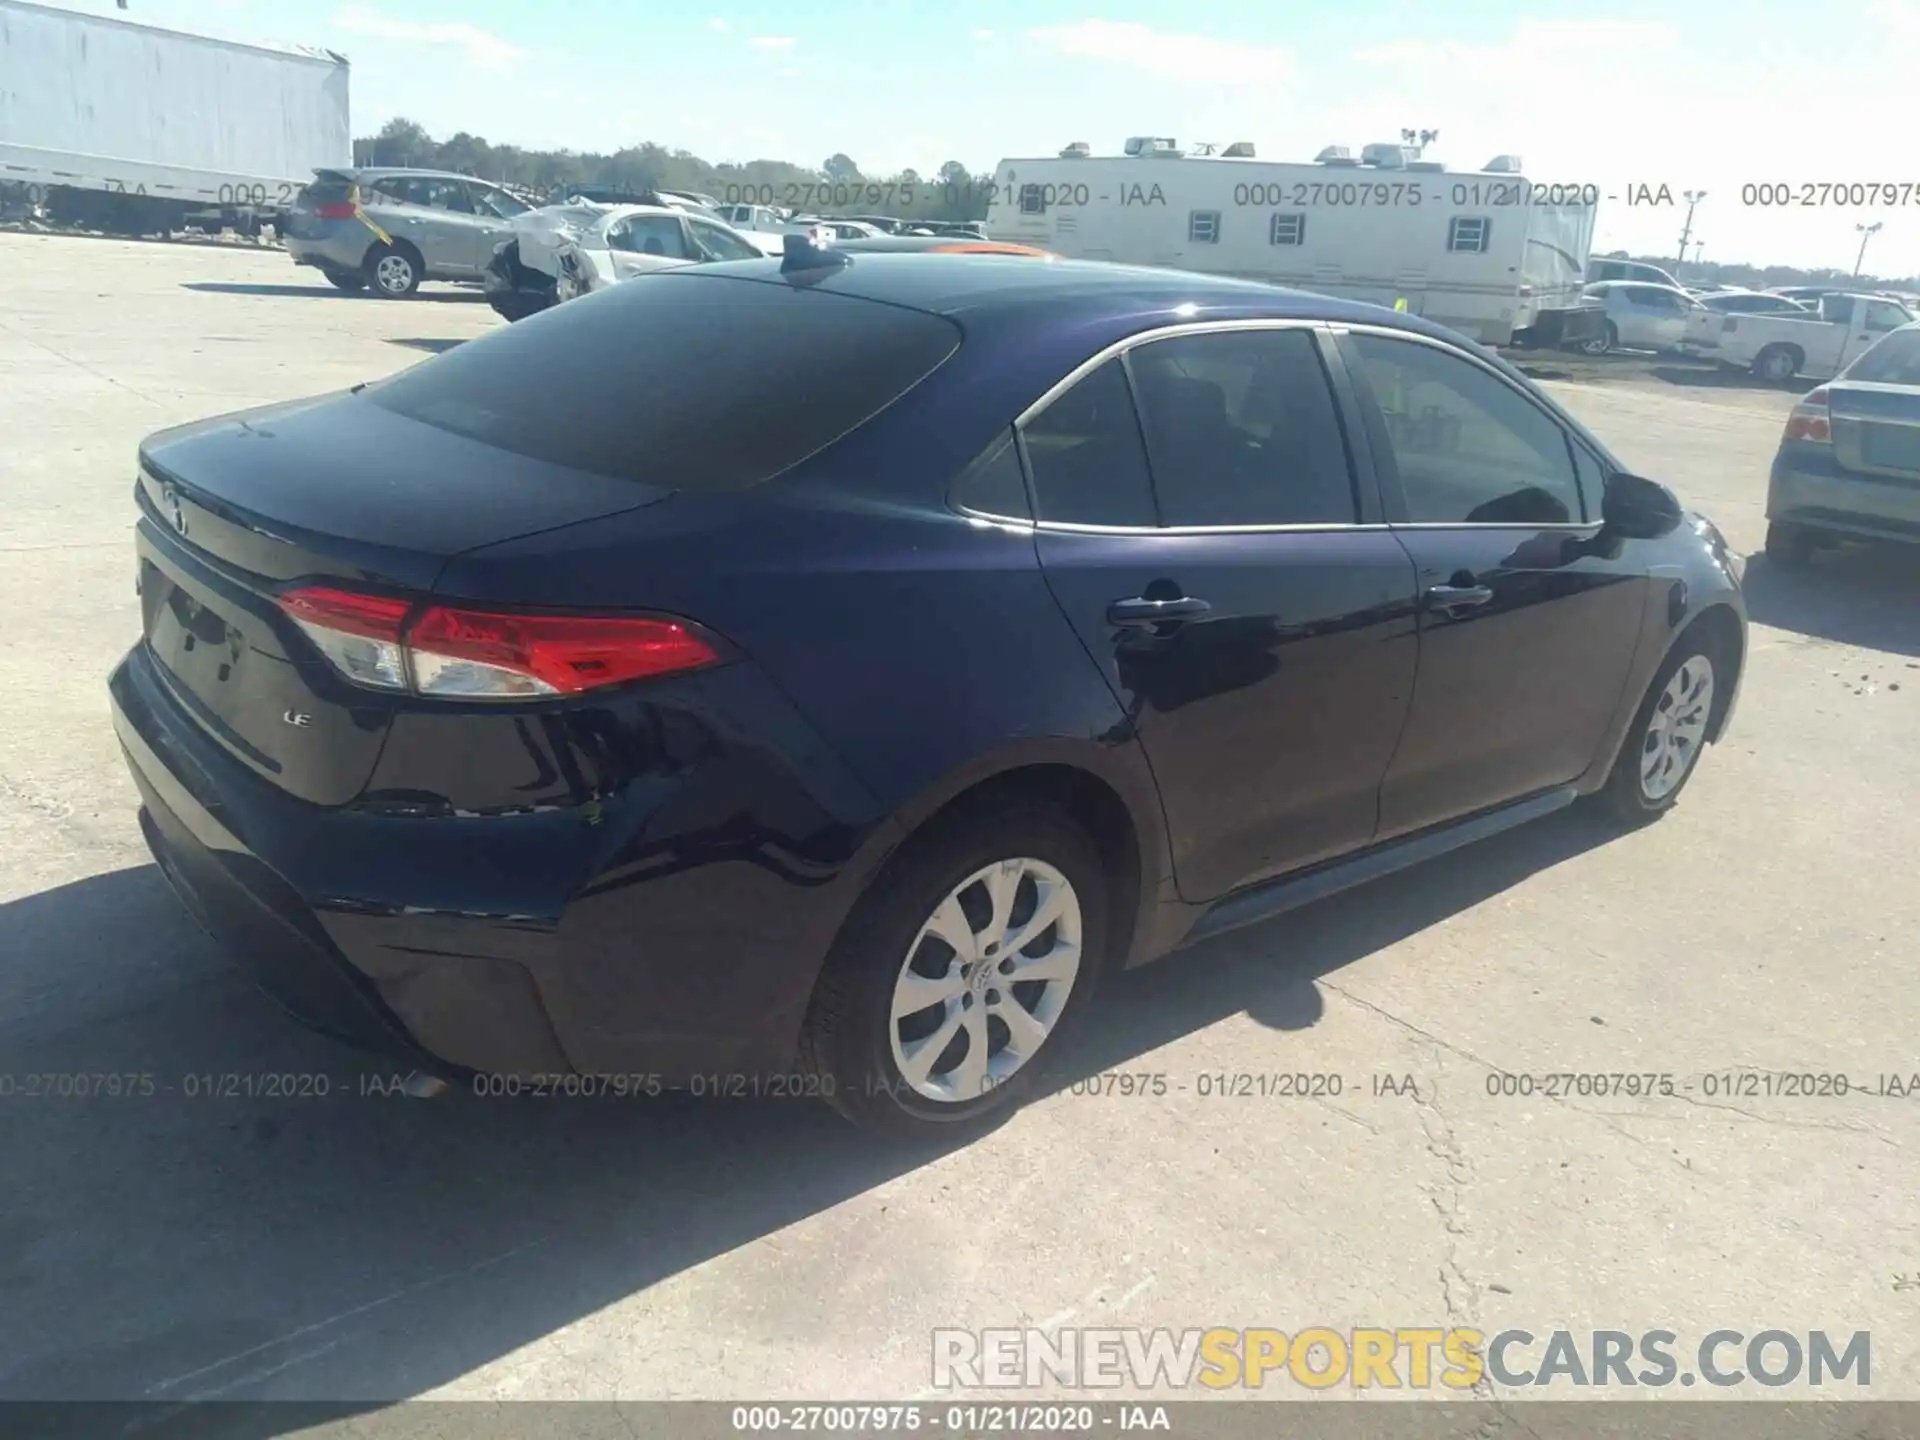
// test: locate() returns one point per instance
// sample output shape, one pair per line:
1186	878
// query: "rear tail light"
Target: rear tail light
345	209
1810	420
456	653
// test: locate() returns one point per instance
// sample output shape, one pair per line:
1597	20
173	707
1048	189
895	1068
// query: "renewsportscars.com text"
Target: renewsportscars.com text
1418	1357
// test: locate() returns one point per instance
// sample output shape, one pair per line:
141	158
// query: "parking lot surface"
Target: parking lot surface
170	1244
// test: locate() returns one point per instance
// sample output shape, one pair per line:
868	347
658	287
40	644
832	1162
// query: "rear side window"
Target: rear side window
689	381
1085	455
1894	361
1242	430
331	190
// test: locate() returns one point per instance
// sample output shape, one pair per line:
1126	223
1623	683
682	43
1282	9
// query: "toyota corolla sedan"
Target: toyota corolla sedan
828	707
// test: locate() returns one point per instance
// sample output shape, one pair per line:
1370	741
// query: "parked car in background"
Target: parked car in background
1753	302
753	217
838	228
832	668
1640	316
1849	459
1635	270
1808	295
568	250
388	230
1777	348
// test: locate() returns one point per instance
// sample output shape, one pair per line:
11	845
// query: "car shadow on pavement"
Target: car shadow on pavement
1856	594
194	1237
324	291
1718	377
431	346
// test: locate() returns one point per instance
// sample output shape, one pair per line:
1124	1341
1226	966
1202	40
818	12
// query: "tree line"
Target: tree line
838	186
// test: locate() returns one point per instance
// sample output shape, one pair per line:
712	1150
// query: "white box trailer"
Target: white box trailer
1488	252
108	121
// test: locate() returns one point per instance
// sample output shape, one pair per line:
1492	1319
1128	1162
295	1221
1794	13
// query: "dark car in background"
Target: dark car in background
1848	466
824	707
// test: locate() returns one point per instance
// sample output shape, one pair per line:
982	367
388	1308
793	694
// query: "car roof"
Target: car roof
999	287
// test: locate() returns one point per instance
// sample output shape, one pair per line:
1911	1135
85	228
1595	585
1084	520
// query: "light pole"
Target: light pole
1693	198
1866	233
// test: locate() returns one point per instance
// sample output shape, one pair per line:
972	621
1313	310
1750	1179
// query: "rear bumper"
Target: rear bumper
1808	488
343	250
673	934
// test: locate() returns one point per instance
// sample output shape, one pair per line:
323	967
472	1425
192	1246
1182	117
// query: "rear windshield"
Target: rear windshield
328	189
691	382
1894	361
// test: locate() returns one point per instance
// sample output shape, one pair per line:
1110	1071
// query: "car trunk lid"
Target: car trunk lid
335	490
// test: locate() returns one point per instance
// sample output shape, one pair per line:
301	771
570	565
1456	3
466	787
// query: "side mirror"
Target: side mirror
1637	508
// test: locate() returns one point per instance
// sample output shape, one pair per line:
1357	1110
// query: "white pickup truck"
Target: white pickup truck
1819	346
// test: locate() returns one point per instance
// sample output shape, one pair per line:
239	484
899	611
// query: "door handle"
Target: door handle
1142	611
1457	597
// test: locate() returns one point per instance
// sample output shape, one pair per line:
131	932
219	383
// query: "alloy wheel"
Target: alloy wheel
1678	728
394	274
985	980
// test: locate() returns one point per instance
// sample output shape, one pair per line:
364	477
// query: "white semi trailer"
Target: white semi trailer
132	128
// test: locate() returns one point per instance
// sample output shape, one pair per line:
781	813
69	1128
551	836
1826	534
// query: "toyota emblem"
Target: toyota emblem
176	512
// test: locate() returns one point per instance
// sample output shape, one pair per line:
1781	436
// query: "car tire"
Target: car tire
1663	745
1776	364
1789	546
393	271
1607	340
345	280
861	1045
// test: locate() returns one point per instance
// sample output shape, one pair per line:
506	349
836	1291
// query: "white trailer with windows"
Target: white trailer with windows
1488	252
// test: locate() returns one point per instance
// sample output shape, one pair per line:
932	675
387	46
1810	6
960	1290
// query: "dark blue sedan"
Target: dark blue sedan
809	677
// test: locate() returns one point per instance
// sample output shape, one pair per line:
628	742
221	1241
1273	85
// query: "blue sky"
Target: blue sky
1708	95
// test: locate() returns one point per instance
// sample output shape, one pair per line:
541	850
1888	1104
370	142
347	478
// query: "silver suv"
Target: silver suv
389	229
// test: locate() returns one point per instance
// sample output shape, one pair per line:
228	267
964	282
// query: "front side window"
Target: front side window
1466	446
1242	430
499	204
1085	455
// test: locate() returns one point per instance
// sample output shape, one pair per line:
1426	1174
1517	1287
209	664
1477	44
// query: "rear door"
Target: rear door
1529	615
1219	562
436	216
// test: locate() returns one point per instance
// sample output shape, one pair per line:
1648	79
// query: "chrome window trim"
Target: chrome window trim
1213	327
1176	331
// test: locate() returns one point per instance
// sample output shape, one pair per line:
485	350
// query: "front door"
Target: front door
1261	640
1529	612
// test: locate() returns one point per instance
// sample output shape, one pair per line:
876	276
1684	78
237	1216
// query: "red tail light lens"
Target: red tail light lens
499	656
1810	420
489	655
337	210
